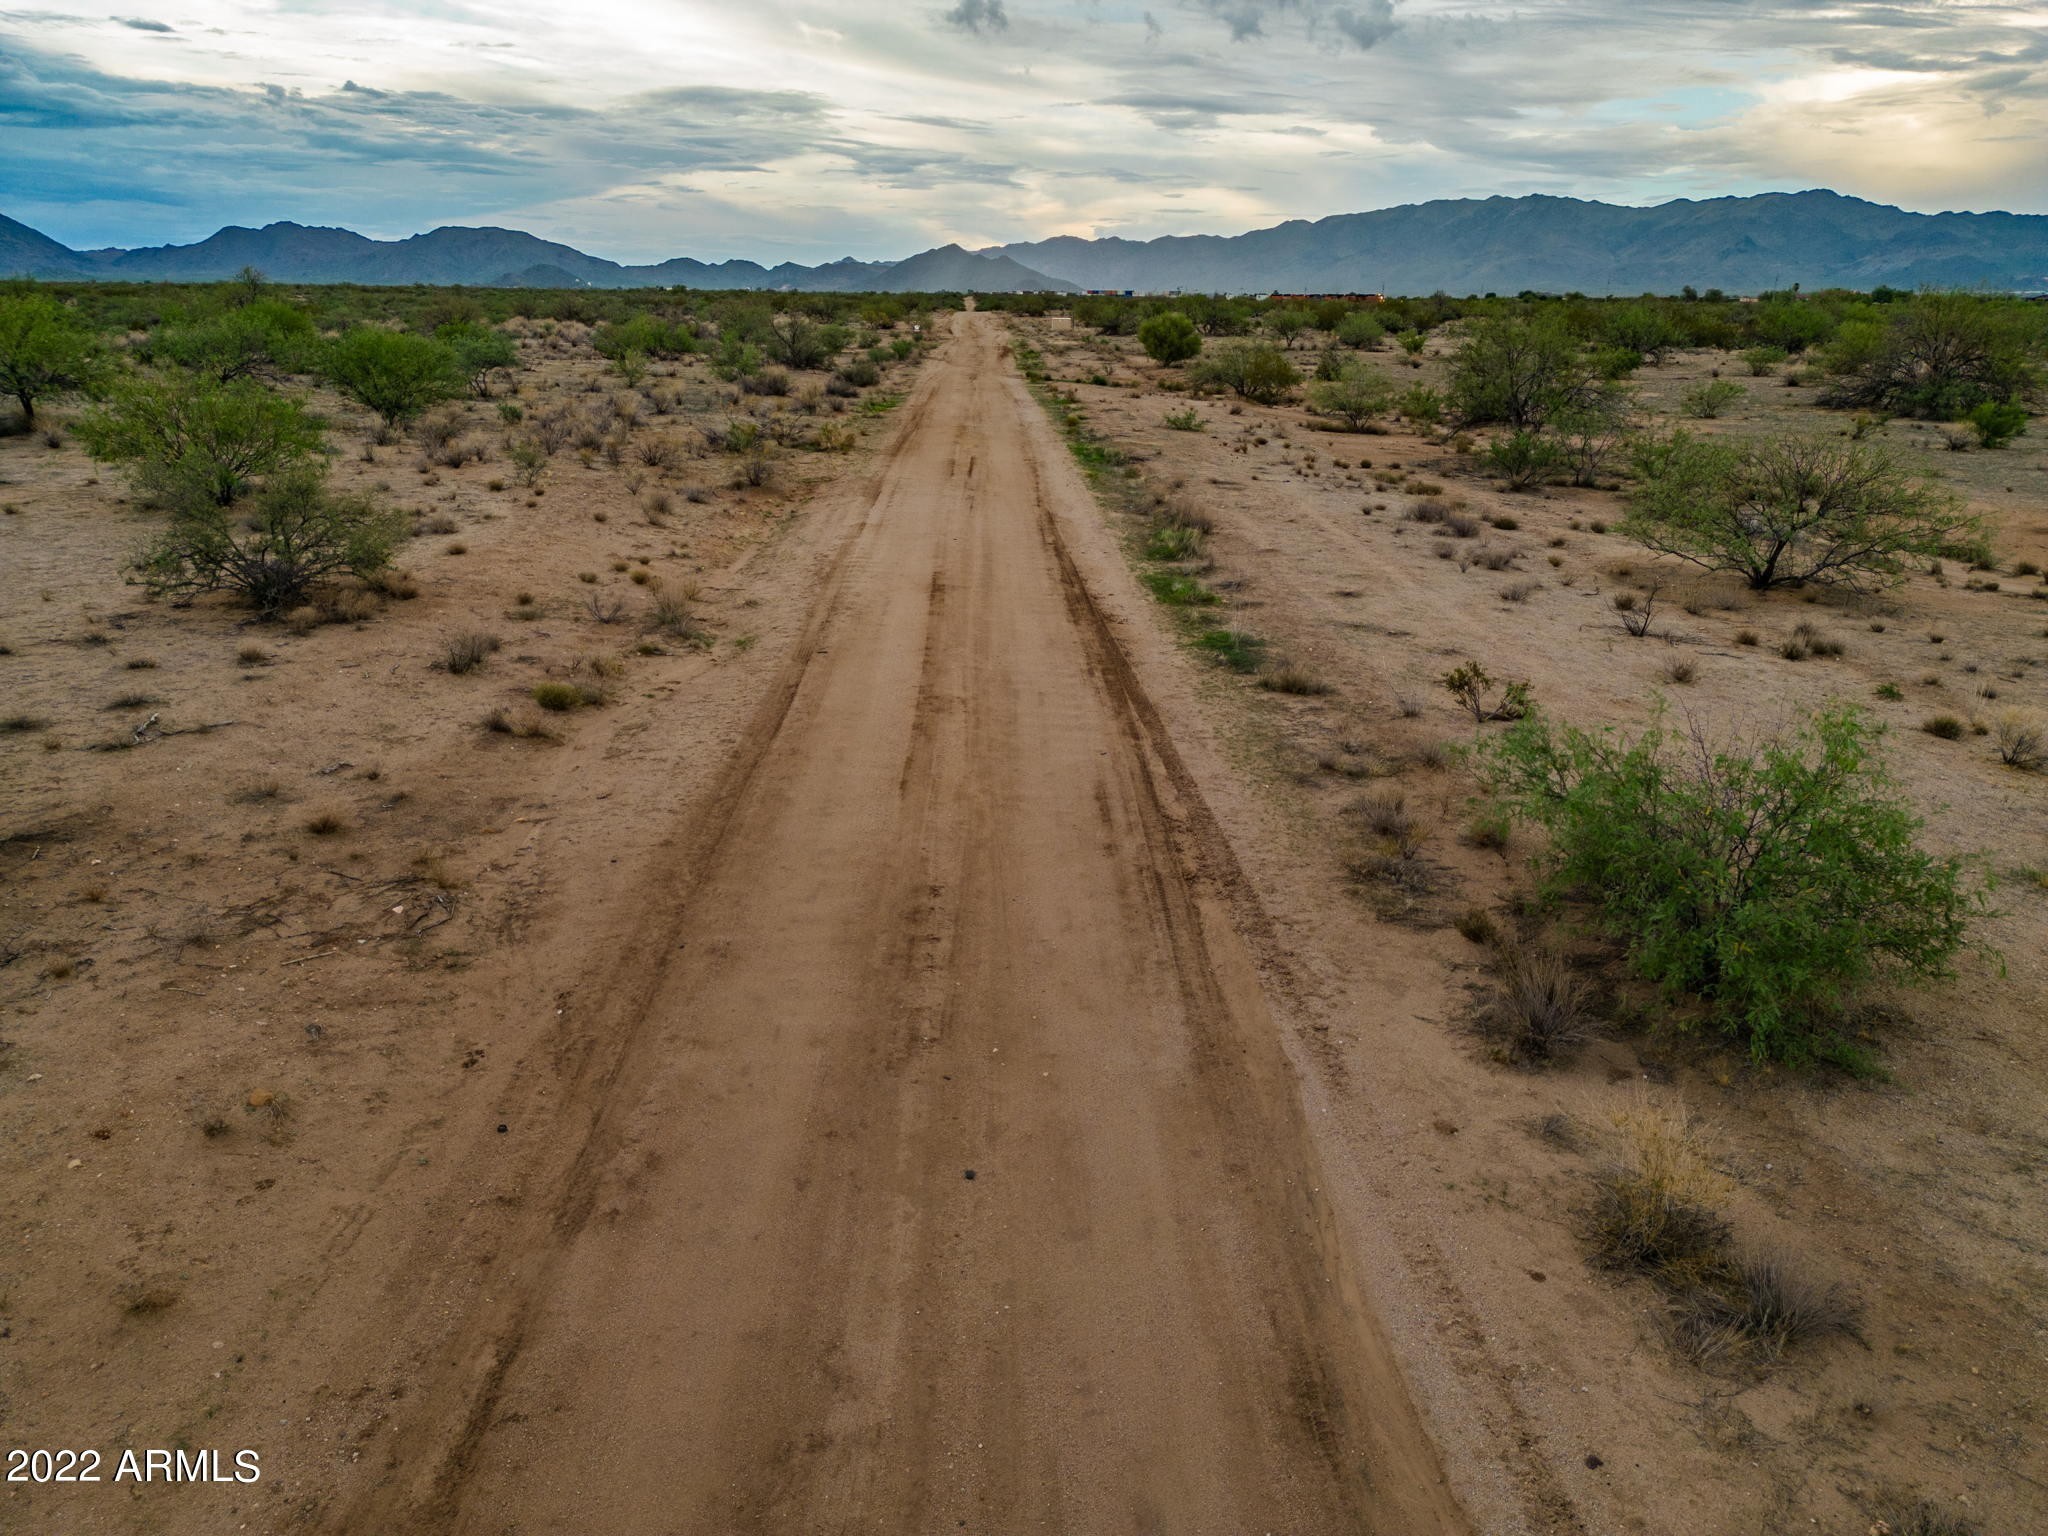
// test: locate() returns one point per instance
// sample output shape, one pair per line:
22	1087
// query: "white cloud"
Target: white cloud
871	127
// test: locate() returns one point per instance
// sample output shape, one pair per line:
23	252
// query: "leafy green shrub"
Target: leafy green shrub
294	533
394	373
1169	337
1768	880
1940	355
1710	397
1257	370
1354	397
480	351
46	351
1520	372
190	439
1763	361
1481	697
649	335
797	341
1422	404
1787	511
559	697
266	336
1189	420
1522	457
1998	422
1360	330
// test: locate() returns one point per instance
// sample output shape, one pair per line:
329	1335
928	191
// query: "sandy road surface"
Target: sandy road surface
946	1172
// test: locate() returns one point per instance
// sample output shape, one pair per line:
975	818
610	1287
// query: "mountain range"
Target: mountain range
486	258
1498	244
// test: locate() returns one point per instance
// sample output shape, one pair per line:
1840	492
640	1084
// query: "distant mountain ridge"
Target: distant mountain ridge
299	253
1560	245
1492	245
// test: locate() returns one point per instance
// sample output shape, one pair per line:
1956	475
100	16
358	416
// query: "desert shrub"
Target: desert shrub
1769	880
1710	398
293	533
1423	404
1787	511
481	351
268	336
1288	322
529	460
558	697
1519	372
797	341
669	614
1360	330
1522	457
1293	679
1758	1308
1998	422
1657	1203
1258	371
649	335
1763	361
1169	337
394	373
1922	1517
766	381
1189	420
1354	397
860	372
190	438
1586	437
1539	1008
1484	699
1940	355
464	653
46	352
2022	740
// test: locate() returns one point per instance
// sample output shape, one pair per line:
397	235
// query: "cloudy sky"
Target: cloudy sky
808	129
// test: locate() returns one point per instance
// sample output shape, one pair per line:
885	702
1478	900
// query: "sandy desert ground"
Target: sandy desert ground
918	1053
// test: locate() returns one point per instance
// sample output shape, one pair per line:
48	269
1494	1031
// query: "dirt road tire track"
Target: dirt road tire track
956	906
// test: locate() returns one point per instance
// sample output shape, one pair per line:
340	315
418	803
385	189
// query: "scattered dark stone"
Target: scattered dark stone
970	1174
1595	1463
502	1129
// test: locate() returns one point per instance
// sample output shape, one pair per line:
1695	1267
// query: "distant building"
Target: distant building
1319	298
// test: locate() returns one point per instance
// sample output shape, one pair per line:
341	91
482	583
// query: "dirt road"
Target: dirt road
940	1168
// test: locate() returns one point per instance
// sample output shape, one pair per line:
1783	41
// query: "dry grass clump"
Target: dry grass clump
1658	1212
520	726
1922	1517
1657	1206
557	697
464	653
326	824
1539	1009
1757	1308
2020	740
1292	679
